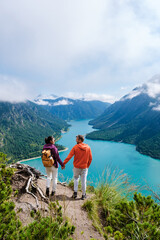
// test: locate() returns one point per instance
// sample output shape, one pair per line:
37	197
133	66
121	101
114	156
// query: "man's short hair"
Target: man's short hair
80	137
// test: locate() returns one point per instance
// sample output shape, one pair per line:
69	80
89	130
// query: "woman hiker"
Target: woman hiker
52	172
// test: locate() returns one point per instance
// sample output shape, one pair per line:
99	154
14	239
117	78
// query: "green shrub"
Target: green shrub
105	236
108	229
10	226
117	216
88	206
50	227
3	158
47	228
118	236
139	218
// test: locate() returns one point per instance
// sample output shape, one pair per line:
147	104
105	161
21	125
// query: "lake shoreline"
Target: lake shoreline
118	155
29	159
132	144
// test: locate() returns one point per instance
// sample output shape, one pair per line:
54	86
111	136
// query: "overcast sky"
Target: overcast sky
96	47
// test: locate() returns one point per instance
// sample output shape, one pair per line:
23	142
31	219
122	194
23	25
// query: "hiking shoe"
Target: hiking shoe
52	193
74	196
47	192
83	196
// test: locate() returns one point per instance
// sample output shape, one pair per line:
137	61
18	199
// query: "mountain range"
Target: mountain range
71	109
134	119
23	127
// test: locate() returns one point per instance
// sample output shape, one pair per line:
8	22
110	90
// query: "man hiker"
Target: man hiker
82	160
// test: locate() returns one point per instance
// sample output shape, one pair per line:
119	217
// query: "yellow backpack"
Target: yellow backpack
47	158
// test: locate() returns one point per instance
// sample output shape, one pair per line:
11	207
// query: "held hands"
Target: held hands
63	167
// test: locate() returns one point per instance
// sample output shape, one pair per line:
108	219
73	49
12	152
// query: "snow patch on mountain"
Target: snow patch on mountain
131	95
41	102
151	88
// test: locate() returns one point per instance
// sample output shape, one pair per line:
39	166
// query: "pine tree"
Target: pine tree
138	219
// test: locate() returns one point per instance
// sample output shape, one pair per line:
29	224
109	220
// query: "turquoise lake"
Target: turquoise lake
141	168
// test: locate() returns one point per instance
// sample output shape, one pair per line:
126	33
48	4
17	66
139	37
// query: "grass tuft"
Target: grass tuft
114	186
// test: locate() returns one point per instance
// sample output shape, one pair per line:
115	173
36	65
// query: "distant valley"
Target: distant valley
71	109
23	126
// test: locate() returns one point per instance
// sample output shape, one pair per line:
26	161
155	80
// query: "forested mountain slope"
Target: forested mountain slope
23	127
134	119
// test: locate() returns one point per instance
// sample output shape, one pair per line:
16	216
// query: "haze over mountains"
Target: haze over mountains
134	119
71	109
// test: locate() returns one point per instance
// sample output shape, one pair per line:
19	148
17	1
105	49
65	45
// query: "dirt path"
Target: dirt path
73	210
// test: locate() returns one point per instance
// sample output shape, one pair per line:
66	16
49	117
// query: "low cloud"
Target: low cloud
153	86
63	102
13	90
91	96
156	108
